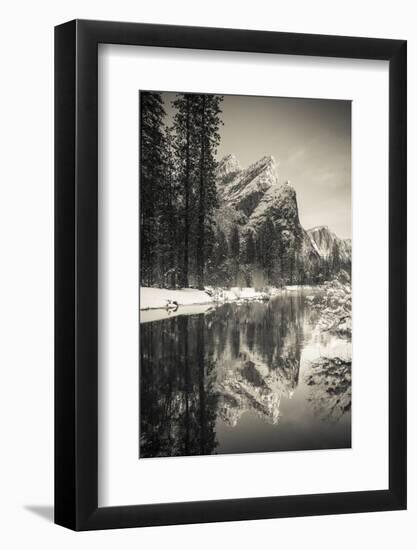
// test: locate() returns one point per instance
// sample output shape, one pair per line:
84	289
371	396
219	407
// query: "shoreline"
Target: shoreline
160	298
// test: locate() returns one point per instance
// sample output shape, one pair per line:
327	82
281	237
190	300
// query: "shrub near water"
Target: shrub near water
330	378
335	306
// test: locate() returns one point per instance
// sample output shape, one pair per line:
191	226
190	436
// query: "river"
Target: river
251	377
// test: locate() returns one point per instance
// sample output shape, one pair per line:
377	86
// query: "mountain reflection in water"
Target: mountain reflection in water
243	378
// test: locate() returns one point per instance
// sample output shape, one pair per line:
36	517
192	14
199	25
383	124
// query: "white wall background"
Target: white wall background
26	274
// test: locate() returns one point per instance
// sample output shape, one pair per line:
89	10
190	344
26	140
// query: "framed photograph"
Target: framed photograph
230	284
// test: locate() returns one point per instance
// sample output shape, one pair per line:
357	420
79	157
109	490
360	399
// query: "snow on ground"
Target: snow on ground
161	298
152	298
237	293
155	298
294	288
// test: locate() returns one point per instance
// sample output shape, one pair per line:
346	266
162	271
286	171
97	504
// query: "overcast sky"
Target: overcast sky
311	142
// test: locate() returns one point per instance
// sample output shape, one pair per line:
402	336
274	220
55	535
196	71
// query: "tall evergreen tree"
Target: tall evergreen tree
152	115
250	248
221	249
208	124
196	130
335	257
235	243
235	251
186	151
266	249
169	215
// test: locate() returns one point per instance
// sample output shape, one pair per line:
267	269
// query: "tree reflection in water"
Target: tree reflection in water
177	398
331	382
201	371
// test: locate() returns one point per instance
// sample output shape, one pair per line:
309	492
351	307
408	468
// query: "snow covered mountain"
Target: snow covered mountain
325	241
266	210
245	189
228	167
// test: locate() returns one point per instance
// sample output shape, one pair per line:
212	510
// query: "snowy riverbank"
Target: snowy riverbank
156	298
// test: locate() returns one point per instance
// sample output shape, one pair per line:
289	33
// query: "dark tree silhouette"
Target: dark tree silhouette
335	258
209	122
186	157
152	150
250	248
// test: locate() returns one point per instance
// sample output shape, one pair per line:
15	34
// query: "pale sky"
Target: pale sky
311	142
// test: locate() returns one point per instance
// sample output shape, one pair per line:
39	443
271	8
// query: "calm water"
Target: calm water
254	377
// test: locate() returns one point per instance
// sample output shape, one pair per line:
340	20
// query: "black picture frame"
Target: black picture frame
76	272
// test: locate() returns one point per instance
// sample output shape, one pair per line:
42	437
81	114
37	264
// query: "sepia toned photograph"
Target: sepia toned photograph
245	274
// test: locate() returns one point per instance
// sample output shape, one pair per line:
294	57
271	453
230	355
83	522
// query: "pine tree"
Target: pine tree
220	249
266	249
152	115
235	243
250	249
335	257
196	130
235	251
170	214
208	129
186	151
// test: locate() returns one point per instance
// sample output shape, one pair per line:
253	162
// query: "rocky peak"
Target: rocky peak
254	195
322	230
324	241
244	189
228	168
279	201
255	200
